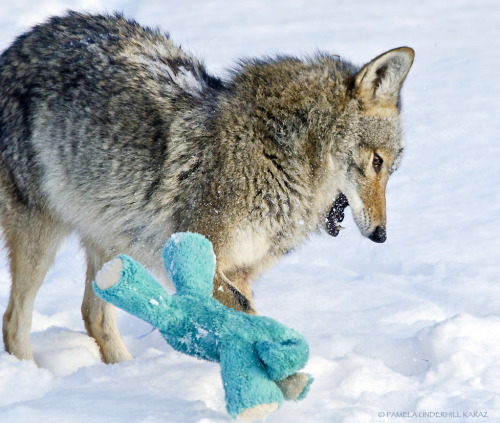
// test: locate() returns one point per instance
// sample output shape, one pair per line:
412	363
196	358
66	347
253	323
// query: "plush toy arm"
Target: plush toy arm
126	284
250	394
295	387
283	358
189	260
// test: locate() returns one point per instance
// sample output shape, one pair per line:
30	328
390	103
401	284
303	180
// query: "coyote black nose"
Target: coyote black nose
379	234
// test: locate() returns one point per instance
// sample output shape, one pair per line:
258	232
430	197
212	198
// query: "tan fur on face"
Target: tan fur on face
373	196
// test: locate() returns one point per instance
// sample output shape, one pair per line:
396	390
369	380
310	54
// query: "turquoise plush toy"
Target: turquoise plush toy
259	357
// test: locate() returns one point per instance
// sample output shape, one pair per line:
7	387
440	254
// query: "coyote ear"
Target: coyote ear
379	82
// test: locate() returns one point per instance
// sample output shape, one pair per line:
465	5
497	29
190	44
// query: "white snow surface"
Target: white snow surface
410	326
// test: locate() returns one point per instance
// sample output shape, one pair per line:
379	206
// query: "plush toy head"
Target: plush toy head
259	357
190	263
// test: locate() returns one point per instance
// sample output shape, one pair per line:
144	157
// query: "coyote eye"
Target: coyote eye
377	162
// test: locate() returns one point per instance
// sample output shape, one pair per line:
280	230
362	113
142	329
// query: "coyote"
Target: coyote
109	129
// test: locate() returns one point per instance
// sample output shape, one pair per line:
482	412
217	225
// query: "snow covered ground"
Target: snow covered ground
410	326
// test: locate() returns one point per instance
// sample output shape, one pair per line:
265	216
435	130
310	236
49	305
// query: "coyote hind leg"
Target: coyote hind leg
32	238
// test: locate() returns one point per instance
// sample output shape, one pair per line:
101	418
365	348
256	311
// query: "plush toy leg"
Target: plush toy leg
110	274
250	394
126	284
257	413
296	386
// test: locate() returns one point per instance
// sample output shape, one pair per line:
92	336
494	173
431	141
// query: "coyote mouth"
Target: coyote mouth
336	215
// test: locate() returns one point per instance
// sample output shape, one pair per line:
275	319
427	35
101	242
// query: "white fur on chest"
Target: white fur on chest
248	246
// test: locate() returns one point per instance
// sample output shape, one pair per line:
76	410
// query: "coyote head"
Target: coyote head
371	145
326	128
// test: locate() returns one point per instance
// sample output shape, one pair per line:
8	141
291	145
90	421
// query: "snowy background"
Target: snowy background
412	325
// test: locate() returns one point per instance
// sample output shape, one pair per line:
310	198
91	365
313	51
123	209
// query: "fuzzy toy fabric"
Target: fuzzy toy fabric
259	357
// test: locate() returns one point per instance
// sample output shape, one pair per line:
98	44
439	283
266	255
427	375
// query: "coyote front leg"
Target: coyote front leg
99	316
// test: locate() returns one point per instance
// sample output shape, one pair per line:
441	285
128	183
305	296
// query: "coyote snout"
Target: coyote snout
366	196
379	235
370	216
